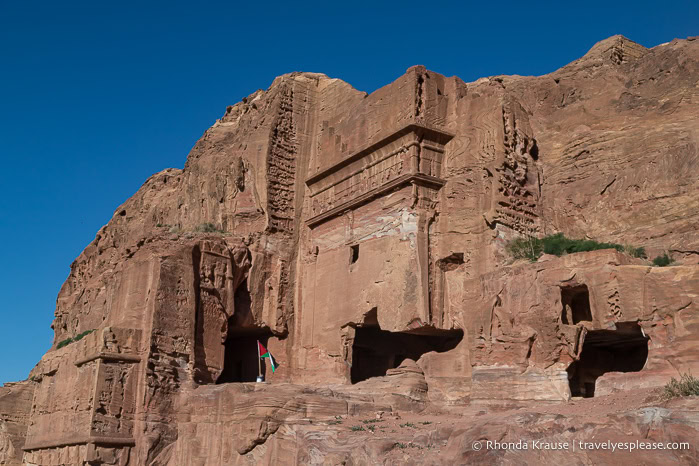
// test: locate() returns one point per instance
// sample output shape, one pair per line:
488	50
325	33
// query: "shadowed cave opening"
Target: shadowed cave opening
240	357
240	362
375	351
576	304
621	350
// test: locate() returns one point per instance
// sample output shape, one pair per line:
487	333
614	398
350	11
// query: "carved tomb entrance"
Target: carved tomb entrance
622	350
240	355
240	359
375	351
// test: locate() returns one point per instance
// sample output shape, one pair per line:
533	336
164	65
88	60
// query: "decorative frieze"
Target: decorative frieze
411	155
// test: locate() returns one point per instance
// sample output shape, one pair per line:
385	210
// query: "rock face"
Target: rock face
581	325
15	406
361	239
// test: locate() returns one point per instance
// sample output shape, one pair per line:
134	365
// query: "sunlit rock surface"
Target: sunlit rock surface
362	240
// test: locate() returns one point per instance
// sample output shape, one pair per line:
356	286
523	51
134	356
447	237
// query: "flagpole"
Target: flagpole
259	361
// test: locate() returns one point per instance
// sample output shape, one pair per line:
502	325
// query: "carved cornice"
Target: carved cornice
81	440
120	357
431	133
411	155
419	179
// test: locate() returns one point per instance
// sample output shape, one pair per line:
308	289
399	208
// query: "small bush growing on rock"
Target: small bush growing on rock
77	337
63	343
532	248
687	385
525	248
80	336
558	245
635	252
358	429
663	261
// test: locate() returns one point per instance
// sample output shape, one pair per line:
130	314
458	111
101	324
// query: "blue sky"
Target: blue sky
97	96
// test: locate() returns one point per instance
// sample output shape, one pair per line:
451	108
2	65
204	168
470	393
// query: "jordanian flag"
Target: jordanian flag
266	354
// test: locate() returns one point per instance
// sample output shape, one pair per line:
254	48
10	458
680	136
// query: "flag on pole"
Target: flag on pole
266	354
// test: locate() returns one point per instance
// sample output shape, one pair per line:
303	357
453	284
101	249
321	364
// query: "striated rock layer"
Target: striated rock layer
361	238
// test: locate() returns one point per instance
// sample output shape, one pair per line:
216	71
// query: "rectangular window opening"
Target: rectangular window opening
576	305
354	253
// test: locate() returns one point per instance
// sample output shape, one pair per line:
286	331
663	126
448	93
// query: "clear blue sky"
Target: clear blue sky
97	96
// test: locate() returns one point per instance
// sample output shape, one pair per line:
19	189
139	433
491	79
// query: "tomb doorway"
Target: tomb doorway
375	351
622	350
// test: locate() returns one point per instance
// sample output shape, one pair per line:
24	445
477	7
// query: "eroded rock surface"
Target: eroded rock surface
15	406
361	238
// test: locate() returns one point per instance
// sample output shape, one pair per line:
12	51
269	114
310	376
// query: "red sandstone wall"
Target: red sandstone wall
529	155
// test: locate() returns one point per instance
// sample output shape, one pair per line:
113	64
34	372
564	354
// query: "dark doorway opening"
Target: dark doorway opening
240	361
621	350
354	253
375	351
576	304
242	302
240	357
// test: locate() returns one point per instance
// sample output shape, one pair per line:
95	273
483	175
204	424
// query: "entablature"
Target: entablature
411	155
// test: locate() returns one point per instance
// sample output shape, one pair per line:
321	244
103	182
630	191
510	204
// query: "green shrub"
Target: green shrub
525	248
532	248
558	245
78	337
663	261
687	385
63	343
636	252
358	429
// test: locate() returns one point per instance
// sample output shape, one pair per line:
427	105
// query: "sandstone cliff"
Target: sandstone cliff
362	239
